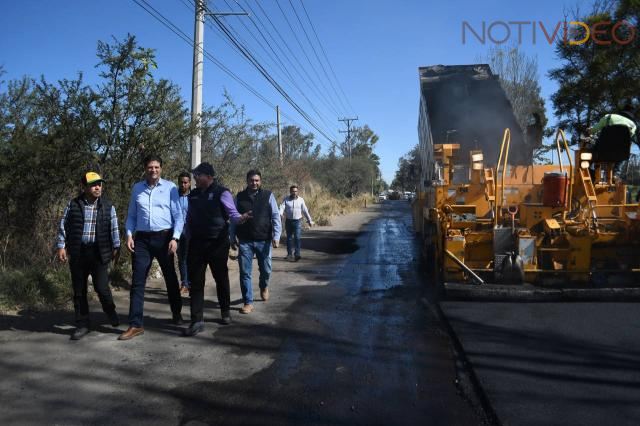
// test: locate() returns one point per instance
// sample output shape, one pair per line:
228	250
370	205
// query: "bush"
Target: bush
34	289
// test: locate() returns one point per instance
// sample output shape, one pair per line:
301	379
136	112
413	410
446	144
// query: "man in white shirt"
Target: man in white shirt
293	209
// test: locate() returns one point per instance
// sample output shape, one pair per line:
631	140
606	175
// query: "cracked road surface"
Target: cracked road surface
344	339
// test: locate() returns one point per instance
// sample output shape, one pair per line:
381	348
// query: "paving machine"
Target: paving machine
488	216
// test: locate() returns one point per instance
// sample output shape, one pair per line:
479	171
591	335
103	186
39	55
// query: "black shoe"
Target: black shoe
226	318
194	328
297	258
177	319
113	319
79	333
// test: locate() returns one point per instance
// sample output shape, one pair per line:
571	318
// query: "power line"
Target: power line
278	64
304	52
316	55
189	4
181	34
177	31
326	57
297	66
246	54
266	74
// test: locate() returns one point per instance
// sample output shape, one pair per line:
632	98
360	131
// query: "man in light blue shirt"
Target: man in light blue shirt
154	225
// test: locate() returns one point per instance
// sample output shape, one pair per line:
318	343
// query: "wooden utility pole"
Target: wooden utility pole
348	132
279	136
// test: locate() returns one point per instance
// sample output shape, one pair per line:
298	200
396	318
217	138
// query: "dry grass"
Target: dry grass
324	206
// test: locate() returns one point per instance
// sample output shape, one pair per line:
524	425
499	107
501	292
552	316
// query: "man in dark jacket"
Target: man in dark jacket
256	236
210	207
88	237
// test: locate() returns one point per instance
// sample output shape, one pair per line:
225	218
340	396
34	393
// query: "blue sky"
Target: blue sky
375	48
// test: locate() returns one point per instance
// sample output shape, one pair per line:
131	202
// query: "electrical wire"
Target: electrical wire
327	58
177	31
304	52
191	7
315	53
278	63
297	65
266	74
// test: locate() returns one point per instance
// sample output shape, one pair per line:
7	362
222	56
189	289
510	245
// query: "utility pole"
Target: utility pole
196	82
279	136
372	178
348	132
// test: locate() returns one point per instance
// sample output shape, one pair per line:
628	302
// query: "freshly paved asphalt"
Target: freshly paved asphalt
553	363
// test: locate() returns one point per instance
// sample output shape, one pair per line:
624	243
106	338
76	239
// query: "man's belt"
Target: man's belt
154	233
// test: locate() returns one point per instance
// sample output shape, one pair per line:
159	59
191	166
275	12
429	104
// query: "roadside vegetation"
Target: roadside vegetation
51	132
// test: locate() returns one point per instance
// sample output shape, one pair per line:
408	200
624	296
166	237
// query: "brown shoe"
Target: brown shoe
264	293
246	309
131	333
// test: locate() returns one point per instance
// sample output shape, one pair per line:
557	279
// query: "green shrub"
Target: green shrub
35	289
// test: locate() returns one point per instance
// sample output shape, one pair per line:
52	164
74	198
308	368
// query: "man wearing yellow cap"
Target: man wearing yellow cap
88	238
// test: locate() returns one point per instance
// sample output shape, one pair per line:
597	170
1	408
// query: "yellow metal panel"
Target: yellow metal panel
455	245
580	255
531	214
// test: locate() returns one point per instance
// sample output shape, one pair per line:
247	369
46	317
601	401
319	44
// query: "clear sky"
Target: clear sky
375	48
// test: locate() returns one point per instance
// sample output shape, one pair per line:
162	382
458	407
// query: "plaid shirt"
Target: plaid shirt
89	229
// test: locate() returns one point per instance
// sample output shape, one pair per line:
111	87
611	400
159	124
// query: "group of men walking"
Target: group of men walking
200	225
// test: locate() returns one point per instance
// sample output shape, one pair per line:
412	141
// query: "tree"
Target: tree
518	74
407	176
232	142
354	174
138	114
51	133
595	78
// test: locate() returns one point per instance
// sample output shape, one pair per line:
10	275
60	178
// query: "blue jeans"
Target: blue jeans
183	246
148	246
246	250
294	229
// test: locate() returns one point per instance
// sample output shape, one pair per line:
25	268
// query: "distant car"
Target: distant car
394	195
382	197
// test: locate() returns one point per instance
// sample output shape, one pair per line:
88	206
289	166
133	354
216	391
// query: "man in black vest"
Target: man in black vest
210	207
88	237
256	236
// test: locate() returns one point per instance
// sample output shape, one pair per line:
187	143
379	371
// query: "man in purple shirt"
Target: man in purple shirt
211	206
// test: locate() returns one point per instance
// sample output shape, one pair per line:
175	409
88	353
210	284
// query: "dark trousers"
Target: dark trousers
215	254
89	262
147	247
183	246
